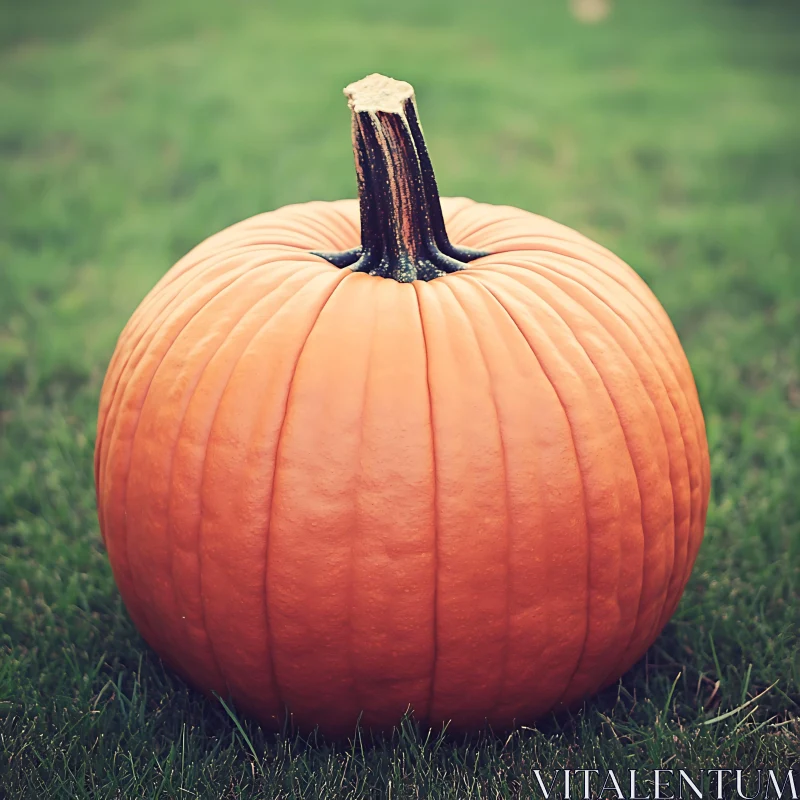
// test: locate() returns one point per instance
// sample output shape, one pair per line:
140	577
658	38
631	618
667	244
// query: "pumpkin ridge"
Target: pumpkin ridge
682	543
122	354
336	218
626	434
431	695
633	621
230	286
297	224
663	593
480	226
143	318
522	224
115	371
209	259
190	391
632	303
265	582
340	230
348	222
112	440
201	254
354	682
697	464
644	295
506	641
480	229
160	316
152	323
260	298
456	214
268	239
276	221
498	707
636	301
543	238
580	470
257	331
616	269
255	245
310	215
408	673
639	305
693	441
547	275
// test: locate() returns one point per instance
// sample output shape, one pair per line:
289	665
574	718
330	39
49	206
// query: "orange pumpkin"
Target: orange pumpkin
356	457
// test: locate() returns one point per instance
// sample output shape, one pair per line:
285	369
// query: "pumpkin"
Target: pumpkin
357	457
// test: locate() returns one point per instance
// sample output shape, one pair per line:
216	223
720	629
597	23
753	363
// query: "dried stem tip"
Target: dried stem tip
378	93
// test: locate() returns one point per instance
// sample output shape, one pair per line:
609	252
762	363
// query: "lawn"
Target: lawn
131	131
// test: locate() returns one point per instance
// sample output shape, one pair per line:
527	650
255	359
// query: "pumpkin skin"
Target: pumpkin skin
333	493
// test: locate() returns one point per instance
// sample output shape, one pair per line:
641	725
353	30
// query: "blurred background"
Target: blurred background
668	130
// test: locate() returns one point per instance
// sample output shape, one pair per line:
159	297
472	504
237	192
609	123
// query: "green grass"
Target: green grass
129	132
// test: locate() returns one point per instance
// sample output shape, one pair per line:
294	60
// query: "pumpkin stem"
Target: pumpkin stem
403	235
